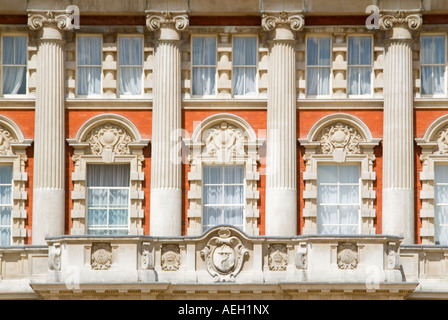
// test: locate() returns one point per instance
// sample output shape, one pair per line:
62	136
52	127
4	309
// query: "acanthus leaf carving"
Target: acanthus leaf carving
224	256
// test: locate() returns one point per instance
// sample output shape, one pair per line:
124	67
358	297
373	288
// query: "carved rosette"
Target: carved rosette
224	142
155	19
109	140
272	20
347	258
101	257
60	18
170	258
340	136
277	257
413	19
224	256
5	142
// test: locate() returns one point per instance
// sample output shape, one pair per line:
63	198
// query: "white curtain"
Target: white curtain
130	71
14	64
204	65
6	205
318	62
359	55
223	195
108	198
433	64
441	204
244	61
89	65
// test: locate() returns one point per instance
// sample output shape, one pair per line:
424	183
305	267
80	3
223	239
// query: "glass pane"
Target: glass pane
365	80
5	174
83	53
328	194
198	51
108	175
124	53
5	195
441	194
426	80
5	216
233	174
349	194
97	217
100	232
324	81
119	197
118	217
97	197
5	236
353	78
212	195
439	80
327	215
365	51
250	81
233	216
328	174
233	194
441	173
136	51
238	81
8	50
349	215
130	80
348	230
327	229
427	50
349	174
238	51
95	51
353	50
439	49
14	80
212	216
198	81
312	48
210	51
212	175
324	51
251	51
209	81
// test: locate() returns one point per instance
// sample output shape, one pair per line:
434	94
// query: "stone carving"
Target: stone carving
101	257
301	259
224	256
54	258
109	140
5	142
271	20
340	137
393	257
390	18
170	258
154	19
442	141
277	257
224	141
347	256
61	18
147	257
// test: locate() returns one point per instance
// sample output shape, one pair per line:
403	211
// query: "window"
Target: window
223	196
433	64
5	205
88	60
359	65
130	65
318	66
108	199
204	65
244	65
14	64
338	199
441	204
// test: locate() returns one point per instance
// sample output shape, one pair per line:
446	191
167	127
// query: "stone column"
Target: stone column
398	138
49	140
166	189
281	179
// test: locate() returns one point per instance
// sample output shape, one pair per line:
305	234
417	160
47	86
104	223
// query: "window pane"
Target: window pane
311	81
97	217
212	216
5	236
213	175
210	51
348	174
348	230
8	50
324	81
327	215
5	195
5	174
198	51
312	50
130	80
324	51
328	194
209	81
233	194
83	53
5	216
438	80
213	194
233	174
365	51
349	194
365	80
14	80
441	173
328	230
348	215
427	49
233	216
353	80
328	174
251	51
118	197
439	50
118	217
238	51
95	51
250	81
441	194
97	197
238	81
130	51
109	175
353	51
426	80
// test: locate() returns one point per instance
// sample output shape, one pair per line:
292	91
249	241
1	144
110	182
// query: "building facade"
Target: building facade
191	149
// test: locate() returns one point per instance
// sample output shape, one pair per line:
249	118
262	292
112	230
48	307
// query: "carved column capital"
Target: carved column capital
272	20
409	20
156	19
60	19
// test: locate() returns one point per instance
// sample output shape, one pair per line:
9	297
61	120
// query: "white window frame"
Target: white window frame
372	76
26	65
223	184
142	90
245	67
90	66
330	80
204	66
338	184
107	207
10	205
444	94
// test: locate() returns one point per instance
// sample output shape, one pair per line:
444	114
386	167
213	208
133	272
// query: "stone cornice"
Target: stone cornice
58	18
272	20
156	19
410	18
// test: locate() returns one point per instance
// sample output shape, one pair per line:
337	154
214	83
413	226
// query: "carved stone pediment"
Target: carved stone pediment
224	256
108	140
224	142
339	138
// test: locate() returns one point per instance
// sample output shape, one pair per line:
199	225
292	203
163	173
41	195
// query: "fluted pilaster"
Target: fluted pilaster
166	192
281	179
398	145
49	142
